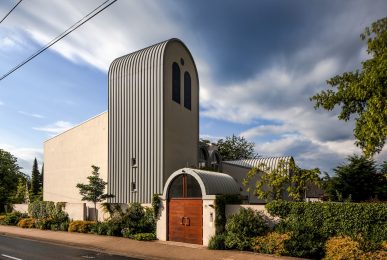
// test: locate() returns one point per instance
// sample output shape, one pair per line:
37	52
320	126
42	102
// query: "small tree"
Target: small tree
94	191
235	148
21	195
287	176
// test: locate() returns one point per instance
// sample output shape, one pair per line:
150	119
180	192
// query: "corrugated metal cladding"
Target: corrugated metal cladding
217	183
135	125
269	162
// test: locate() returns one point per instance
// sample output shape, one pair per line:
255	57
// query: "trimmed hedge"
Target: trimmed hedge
312	224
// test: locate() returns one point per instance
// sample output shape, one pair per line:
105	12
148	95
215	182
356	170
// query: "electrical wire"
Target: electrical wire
13	8
82	21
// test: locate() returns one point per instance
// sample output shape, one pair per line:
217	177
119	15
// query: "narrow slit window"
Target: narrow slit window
187	90
134	162
176	82
134	186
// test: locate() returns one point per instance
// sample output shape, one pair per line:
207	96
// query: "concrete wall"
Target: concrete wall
209	229
162	222
23	208
68	158
233	209
239	174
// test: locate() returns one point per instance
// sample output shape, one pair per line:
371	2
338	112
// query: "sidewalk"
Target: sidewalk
133	248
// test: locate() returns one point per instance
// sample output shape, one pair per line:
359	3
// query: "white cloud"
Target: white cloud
25	156
105	37
7	42
55	128
31	114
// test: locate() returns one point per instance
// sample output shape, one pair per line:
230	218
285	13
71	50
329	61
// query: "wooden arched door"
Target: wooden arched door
185	210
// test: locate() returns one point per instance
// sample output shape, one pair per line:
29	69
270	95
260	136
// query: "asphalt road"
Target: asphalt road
12	248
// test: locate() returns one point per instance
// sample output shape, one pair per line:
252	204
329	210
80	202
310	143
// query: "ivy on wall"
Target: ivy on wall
220	210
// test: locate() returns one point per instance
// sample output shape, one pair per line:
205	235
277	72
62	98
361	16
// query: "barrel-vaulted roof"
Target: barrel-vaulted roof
269	163
211	183
147	57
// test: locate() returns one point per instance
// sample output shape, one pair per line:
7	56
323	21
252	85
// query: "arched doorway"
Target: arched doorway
185	210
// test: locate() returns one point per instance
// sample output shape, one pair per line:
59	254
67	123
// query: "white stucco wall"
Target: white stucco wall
68	158
161	229
208	220
23	208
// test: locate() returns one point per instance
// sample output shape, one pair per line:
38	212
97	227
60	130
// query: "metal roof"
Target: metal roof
270	162
211	183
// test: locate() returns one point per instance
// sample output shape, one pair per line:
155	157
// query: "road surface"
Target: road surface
12	248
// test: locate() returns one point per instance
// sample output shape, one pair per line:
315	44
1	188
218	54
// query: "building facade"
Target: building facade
153	119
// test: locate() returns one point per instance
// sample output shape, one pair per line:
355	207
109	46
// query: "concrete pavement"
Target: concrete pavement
133	248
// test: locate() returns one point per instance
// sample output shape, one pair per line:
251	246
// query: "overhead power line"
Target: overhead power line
13	8
86	18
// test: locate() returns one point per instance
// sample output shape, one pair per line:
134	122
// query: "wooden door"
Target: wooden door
185	220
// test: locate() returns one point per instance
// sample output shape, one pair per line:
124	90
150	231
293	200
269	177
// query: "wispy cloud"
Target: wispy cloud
31	114
55	128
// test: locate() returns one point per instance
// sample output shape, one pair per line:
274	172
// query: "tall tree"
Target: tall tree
35	179
357	179
41	178
235	148
363	94
9	175
94	191
271	184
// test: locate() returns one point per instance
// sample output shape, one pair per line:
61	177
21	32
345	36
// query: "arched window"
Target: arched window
184	186
187	90
176	82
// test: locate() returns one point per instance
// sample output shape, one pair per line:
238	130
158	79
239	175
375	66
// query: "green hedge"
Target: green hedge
312	224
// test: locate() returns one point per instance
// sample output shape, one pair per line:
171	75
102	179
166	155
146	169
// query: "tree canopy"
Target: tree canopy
359	179
9	176
235	148
363	94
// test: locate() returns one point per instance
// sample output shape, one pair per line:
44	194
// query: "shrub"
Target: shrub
347	248
272	243
217	242
144	236
26	223
242	227
101	228
43	224
12	218
2	218
220	210
136	219
81	226
41	209
49	214
312	224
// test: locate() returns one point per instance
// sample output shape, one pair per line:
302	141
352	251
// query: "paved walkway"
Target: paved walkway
133	248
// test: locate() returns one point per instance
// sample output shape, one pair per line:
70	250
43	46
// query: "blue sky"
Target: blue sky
258	62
